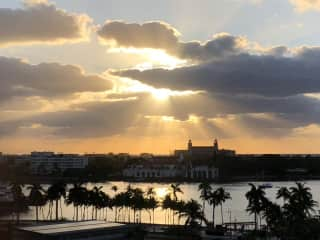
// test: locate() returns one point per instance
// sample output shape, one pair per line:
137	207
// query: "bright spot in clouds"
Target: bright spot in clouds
155	58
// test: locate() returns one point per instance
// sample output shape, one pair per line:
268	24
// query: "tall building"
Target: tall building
203	151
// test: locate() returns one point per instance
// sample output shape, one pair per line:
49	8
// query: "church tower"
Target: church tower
189	145
215	146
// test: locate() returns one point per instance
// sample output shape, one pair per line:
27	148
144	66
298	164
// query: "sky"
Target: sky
102	76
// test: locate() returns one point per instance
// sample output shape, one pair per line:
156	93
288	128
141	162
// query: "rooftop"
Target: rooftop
72	227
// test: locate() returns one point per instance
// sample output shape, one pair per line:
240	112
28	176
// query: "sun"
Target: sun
161	192
161	94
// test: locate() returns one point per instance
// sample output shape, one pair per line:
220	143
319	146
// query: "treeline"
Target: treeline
294	218
268	165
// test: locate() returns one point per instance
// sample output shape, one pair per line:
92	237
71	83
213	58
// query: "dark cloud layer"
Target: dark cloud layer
241	74
18	78
160	35
40	22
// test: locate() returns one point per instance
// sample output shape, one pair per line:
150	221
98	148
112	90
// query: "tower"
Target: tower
215	146
189	145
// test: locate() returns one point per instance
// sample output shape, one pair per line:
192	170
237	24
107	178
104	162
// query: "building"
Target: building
156	167
93	230
165	171
203	151
202	172
44	163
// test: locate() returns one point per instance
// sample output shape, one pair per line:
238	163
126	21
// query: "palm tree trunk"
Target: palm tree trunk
255	221
37	214
221	214
203	207
77	213
57	210
213	208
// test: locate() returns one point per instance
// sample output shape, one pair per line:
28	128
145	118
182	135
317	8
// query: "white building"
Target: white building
202	172
48	162
153	171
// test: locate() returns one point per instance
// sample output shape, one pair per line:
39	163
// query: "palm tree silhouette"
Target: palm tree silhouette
301	201
256	198
37	197
54	193
114	188
283	193
175	188
75	197
152	202
222	196
19	200
214	201
204	189
193	213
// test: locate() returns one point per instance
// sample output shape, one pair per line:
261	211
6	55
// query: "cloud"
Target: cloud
41	22
305	5
19	78
160	35
264	75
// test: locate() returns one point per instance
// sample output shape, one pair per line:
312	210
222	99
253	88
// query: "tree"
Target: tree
37	197
175	188
284	193
75	197
54	193
222	196
19	200
213	201
114	188
193	213
256	199
152	202
204	189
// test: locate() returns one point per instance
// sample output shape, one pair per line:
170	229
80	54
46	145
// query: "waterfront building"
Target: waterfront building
43	163
165	171
93	230
202	172
157	167
203	151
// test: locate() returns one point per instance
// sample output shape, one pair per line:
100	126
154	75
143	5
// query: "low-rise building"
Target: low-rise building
44	163
202	172
153	171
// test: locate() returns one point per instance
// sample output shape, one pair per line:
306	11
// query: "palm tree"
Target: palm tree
151	201
175	188
214	201
75	197
193	213
114	188
54	193
284	193
256	198
204	189
37	197
222	196
166	205
19	200
96	197
301	200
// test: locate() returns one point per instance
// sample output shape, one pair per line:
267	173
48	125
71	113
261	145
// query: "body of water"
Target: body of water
233	209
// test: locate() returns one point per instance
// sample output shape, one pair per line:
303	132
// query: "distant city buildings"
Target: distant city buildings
44	163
